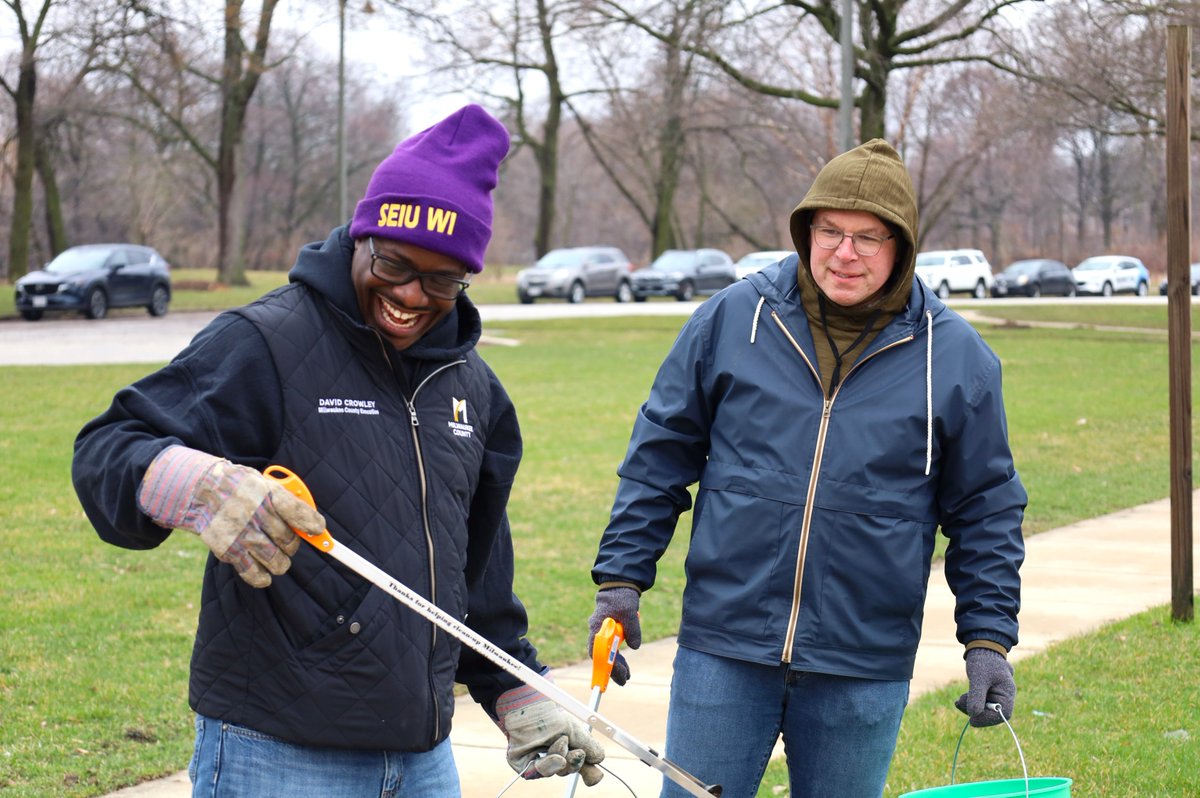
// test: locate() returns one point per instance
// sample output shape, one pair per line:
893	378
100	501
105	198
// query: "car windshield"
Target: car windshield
1093	265
1022	267
78	260
929	260
561	257
672	260
759	260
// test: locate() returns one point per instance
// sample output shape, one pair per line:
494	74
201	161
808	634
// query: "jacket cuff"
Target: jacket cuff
612	584
991	645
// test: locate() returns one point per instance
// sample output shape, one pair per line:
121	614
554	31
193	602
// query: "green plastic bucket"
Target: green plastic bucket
1004	788
1044	787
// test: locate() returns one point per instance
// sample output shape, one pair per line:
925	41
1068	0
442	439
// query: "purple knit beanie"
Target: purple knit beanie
434	190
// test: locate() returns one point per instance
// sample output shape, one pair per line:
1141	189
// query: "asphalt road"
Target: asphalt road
141	338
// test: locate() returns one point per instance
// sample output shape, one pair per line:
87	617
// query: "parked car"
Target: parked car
955	271
1162	287
95	277
575	273
1034	277
753	262
1106	275
684	273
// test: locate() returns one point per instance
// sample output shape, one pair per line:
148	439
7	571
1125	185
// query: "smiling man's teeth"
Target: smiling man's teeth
396	314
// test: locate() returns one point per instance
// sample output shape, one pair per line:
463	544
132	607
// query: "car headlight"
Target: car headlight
1023	279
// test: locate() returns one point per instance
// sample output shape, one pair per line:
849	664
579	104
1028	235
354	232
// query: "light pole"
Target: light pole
341	113
846	108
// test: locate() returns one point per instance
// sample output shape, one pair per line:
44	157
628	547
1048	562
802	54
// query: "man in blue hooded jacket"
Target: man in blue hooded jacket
362	377
834	413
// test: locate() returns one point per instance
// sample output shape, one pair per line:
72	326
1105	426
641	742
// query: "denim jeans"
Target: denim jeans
235	762
839	733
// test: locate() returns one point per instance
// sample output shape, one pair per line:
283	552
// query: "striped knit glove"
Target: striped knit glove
543	740
242	516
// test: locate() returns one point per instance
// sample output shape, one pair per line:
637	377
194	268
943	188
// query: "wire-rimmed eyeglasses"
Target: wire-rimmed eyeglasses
434	284
865	244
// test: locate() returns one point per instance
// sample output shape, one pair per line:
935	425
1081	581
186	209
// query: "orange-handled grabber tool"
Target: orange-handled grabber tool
604	653
325	542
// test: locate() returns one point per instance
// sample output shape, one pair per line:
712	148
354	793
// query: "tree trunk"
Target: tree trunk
56	227
22	212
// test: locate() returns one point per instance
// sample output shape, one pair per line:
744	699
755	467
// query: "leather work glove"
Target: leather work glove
990	678
543	740
621	604
245	518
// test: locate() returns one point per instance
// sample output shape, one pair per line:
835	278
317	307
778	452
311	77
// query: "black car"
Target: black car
1034	277
95	277
1195	267
683	273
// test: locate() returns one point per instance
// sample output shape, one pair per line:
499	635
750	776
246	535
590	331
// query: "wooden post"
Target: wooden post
1179	314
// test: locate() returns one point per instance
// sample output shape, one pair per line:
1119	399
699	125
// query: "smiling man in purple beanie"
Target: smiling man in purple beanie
361	376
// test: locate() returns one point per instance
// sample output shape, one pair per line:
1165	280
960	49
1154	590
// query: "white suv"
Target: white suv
955	271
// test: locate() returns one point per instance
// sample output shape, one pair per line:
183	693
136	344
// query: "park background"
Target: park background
1032	129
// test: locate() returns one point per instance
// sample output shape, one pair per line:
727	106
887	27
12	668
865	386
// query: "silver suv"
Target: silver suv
575	273
955	271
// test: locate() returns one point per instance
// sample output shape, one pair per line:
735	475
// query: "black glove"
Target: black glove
990	679
620	604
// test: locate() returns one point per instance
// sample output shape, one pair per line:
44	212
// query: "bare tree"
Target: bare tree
233	79
23	92
893	35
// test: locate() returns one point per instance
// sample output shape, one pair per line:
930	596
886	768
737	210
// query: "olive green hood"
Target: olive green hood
871	177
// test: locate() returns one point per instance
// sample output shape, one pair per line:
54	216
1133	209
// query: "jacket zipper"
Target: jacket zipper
416	424
789	637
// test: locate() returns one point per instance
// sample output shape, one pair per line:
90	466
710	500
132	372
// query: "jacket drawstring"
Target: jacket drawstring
757	313
928	393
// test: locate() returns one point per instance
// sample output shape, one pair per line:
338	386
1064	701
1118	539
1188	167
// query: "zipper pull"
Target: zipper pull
412	412
828	407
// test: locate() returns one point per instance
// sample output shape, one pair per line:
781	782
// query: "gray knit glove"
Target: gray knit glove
543	740
620	604
990	678
245	518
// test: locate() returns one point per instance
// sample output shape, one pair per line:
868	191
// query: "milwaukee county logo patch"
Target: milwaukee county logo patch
344	406
459	424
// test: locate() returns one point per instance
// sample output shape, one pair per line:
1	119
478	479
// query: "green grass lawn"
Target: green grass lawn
95	640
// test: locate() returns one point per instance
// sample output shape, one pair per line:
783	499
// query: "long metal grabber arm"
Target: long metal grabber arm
324	542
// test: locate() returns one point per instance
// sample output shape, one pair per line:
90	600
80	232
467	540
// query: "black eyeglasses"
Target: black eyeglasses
864	244
438	286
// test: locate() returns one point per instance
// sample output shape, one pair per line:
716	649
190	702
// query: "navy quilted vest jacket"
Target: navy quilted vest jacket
319	657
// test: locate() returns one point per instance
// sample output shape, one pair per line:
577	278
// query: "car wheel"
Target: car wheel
624	292
686	291
158	301
1106	290
576	294
1035	290
1142	289
943	291
1071	291
524	298
638	298
980	290
1196	289
31	315
96	306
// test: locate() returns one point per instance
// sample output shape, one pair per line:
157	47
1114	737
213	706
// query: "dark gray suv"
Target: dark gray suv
683	273
575	273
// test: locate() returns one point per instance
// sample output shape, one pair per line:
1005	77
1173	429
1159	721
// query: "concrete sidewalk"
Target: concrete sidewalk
1075	579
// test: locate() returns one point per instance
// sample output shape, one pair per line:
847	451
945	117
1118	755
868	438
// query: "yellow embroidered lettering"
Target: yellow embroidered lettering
411	215
383	210
442	220
393	212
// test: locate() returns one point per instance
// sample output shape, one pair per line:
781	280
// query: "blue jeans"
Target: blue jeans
839	733
235	762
